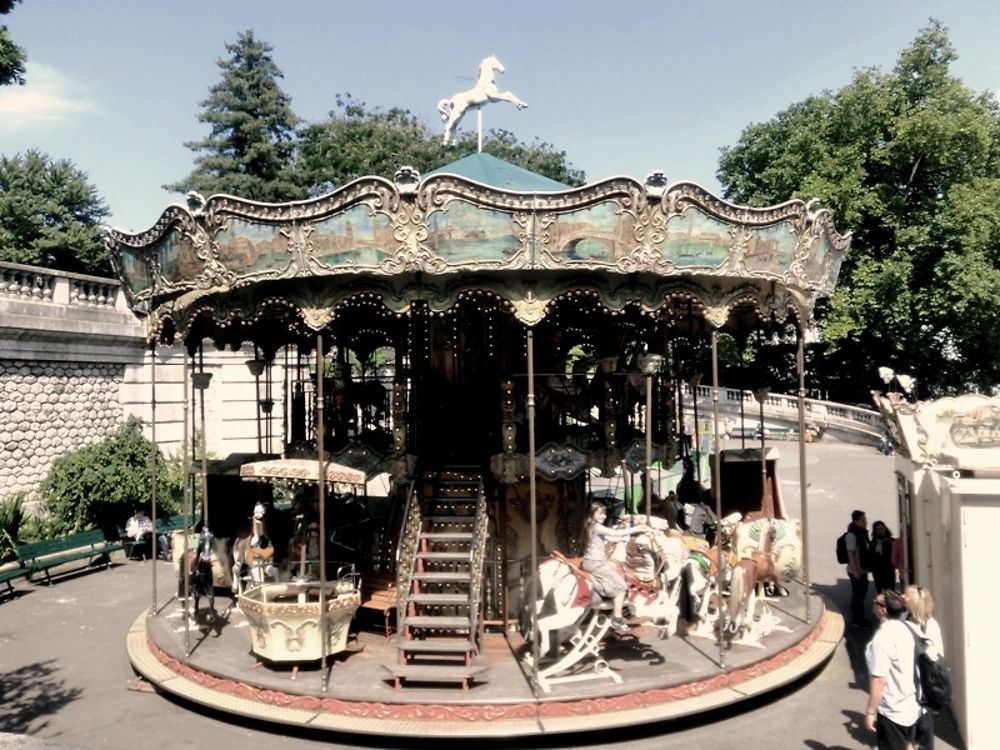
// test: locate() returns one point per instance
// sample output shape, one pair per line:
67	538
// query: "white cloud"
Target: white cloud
49	99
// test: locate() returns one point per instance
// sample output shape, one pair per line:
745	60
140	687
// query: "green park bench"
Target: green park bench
50	553
11	574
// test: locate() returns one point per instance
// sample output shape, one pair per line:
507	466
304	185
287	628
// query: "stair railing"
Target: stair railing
480	536
406	551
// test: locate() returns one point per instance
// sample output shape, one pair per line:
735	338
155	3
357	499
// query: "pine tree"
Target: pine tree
251	148
12	57
50	215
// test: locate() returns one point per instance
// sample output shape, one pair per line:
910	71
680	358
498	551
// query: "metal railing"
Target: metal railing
781	406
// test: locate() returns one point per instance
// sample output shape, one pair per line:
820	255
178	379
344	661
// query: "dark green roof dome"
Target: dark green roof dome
489	170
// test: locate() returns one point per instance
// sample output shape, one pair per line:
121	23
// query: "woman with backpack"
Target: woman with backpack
920	615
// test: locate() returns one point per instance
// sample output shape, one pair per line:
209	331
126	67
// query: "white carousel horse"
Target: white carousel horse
566	597
485	91
253	554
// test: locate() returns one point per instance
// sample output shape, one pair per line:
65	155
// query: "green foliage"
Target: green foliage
40	528
50	215
12	57
251	147
909	162
357	140
101	484
11	515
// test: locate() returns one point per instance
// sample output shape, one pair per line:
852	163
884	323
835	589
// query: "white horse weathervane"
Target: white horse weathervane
485	91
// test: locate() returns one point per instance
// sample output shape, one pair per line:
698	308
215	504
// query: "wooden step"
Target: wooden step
440	600
437	646
445	556
439	623
447	536
443	576
452	518
429	673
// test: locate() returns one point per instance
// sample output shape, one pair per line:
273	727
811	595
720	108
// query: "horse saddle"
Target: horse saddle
587	594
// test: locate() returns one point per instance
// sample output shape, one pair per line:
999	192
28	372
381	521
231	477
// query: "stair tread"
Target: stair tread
447	536
444	556
434	621
463	576
438	645
453	599
468	518
436	673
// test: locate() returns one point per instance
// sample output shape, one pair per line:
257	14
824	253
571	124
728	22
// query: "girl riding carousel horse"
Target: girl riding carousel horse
608	578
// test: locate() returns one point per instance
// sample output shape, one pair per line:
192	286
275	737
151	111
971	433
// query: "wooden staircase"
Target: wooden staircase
444	540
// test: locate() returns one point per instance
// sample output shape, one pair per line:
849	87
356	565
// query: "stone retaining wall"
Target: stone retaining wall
48	409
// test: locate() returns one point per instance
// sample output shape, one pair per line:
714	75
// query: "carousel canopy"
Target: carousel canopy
479	226
300	471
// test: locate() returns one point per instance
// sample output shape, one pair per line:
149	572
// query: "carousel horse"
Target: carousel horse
769	553
567	597
253	553
199	569
485	91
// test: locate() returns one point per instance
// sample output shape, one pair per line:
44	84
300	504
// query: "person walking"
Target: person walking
893	711
920	617
883	557
857	544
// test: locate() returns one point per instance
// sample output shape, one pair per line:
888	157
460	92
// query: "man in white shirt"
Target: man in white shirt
893	710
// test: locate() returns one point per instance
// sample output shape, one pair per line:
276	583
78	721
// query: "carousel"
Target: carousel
508	351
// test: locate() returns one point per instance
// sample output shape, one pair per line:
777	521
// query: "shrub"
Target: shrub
100	484
11	515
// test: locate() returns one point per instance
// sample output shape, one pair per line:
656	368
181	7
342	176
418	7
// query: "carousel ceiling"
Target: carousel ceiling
448	237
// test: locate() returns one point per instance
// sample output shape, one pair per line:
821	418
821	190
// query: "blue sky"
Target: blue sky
623	88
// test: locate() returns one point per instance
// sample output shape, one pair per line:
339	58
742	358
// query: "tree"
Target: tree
909	162
50	215
357	140
101	484
12	57
251	148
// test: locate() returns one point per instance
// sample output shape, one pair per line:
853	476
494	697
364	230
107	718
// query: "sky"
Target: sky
623	88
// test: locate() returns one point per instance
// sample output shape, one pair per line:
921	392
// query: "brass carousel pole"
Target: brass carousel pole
648	487
533	512
154	450
717	491
203	386
320	433
801	366
186	463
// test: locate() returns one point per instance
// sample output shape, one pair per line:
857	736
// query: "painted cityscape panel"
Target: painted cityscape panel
248	247
596	234
771	249
358	236
177	257
461	232
694	238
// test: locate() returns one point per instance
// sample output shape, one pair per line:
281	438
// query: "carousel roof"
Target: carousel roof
489	170
478	226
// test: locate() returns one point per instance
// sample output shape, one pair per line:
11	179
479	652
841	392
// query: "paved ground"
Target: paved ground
65	678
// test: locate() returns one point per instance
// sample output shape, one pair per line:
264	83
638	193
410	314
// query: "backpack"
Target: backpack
842	549
934	678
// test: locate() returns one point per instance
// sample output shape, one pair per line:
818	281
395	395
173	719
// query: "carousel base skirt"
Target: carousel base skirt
209	662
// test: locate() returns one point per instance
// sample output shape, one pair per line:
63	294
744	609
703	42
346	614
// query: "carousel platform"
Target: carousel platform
660	679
